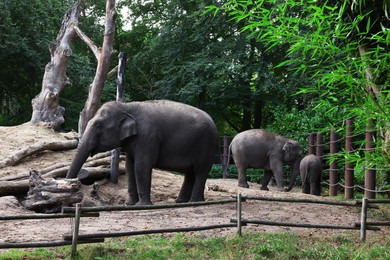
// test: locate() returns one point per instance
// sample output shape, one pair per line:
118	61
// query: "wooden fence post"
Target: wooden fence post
349	171
319	145
363	220
311	147
76	229
239	212
370	173
114	172
333	169
225	156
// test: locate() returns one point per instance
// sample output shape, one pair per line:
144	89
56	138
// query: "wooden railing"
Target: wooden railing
78	212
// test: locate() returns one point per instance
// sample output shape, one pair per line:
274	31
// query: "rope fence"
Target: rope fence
363	151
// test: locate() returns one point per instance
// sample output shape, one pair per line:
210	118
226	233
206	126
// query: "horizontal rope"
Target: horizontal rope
354	187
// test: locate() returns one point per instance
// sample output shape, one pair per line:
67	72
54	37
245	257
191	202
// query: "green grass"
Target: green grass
250	246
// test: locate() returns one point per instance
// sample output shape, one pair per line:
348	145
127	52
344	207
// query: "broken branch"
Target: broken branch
36	148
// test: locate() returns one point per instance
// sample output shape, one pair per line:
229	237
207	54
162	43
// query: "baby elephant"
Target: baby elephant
311	171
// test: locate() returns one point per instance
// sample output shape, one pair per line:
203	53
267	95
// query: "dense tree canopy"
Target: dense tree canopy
175	52
243	66
341	45
180	53
26	30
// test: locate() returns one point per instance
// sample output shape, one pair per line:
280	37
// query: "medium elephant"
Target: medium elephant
154	134
258	148
311	172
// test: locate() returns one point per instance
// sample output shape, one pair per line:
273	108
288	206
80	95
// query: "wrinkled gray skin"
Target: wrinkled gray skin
154	134
258	148
311	171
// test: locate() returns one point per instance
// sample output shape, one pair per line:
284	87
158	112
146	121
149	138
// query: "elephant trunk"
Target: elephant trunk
78	160
294	174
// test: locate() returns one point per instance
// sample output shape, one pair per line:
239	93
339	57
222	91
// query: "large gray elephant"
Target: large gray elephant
311	172
154	134
258	148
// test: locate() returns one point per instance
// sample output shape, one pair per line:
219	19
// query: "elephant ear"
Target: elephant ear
288	151
127	126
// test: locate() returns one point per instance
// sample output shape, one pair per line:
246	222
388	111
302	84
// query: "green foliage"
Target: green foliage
253	175
343	46
27	29
36	254
249	246
201	60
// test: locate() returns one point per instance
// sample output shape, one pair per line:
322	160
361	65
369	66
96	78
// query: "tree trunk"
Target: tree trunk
14	187
120	98
48	195
21	187
258	120
104	57
45	105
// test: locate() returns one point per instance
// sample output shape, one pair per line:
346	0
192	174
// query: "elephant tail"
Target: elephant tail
305	173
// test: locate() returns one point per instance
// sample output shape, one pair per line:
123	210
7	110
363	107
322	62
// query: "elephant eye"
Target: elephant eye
98	124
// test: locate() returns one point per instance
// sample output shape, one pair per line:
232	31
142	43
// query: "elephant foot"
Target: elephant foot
133	200
179	200
243	185
197	200
142	203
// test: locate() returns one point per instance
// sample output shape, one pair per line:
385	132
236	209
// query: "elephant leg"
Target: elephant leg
200	183
242	181
306	188
143	177
186	188
277	169
132	184
267	178
315	189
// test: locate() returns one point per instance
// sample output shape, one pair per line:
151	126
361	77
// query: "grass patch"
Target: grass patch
250	246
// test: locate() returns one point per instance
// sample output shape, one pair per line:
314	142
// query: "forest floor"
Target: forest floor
165	188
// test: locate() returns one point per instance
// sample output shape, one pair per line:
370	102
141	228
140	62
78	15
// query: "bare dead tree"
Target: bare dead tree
45	105
103	55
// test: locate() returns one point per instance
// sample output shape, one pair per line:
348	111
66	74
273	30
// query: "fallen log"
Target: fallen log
97	160
92	172
21	187
36	148
14	187
48	195
26	174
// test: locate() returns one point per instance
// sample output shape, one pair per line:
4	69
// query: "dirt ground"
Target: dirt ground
165	188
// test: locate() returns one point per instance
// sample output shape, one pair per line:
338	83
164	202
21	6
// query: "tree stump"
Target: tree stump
49	195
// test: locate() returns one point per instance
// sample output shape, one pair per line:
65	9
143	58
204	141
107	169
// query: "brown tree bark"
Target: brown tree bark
48	195
45	105
120	98
14	187
21	187
104	57
97	160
